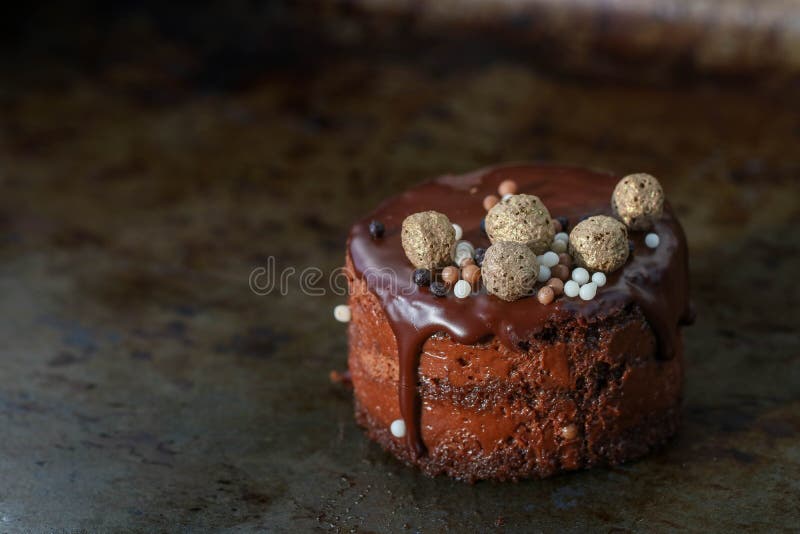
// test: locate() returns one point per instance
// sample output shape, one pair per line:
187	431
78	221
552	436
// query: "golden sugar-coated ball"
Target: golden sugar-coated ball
521	219
638	201
428	239
599	243
509	270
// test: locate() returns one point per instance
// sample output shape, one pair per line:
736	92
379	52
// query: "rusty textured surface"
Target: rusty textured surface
143	386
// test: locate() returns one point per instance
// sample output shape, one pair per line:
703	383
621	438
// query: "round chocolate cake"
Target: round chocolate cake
522	336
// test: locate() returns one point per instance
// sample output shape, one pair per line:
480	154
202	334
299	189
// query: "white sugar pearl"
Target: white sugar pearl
588	291
459	231
580	275
460	256
550	259
544	273
398	428
599	279
462	251
559	245
466	246
652	240
571	288
507	196
342	313
562	236
462	289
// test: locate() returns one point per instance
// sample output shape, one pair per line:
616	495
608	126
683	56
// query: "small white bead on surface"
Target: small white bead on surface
652	240
507	196
459	231
550	259
398	428
558	246
342	313
562	236
580	275
571	288
588	291
462	289
599	279
544	273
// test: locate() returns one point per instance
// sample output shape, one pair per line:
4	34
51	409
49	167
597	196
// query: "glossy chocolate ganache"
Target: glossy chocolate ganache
655	280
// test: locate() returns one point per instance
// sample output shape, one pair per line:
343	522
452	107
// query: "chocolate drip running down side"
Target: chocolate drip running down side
655	280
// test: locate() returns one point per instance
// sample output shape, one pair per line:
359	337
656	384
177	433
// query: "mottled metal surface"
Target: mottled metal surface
740	37
144	387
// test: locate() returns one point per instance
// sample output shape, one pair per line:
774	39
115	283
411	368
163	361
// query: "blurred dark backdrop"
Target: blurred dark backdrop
230	42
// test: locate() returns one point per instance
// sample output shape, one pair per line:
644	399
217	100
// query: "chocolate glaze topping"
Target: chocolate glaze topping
656	280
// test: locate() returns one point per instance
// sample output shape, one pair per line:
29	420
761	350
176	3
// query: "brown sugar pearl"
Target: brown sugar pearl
557	226
569	431
556	284
565	259
507	187
560	271
546	295
489	202
472	274
466	261
450	275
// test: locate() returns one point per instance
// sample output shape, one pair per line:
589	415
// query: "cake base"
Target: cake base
465	461
576	395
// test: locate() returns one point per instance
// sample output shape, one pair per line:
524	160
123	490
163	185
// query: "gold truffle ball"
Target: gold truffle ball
509	270
521	219
638	201
599	243
428	239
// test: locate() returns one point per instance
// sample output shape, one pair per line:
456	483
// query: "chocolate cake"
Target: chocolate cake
479	379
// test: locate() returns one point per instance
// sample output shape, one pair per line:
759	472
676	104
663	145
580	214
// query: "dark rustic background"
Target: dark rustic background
152	156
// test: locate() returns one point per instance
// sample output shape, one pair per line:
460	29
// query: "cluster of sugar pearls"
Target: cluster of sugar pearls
584	285
521	219
428	238
638	201
599	243
509	270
